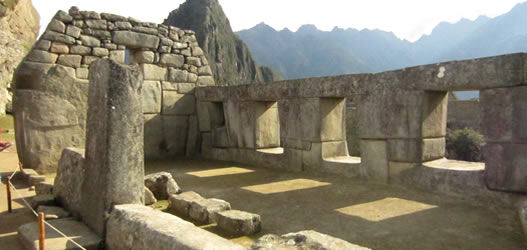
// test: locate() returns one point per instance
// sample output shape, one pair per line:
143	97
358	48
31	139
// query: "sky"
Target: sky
407	19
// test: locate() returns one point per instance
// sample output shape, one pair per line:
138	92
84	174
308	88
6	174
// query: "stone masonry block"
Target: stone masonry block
179	204
374	160
433	148
175	134
239	222
151	97
434	116
506	166
153	72
135	40
178	104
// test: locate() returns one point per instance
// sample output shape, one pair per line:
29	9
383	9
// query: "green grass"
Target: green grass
6	123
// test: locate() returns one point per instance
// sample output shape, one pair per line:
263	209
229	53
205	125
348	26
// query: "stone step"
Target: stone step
28	235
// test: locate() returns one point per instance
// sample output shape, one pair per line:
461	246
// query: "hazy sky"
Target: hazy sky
408	19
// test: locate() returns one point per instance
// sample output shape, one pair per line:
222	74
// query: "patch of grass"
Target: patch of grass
7	126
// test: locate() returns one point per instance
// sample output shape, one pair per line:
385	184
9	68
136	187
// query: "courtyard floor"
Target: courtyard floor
370	215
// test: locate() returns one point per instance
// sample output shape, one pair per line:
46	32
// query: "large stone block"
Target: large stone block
239	222
374	159
153	72
178	104
433	149
504	114
204	211
151	97
154	137
162	185
434	116
179	204
41	56
404	150
140	227
114	142
70	60
220	137
135	40
172	60
175	134
506	166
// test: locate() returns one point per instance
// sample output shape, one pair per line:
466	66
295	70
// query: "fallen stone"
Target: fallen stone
239	222
46	200
149	197
52	212
35	179
43	188
141	227
68	182
162	185
180	203
204	211
323	240
273	241
28	235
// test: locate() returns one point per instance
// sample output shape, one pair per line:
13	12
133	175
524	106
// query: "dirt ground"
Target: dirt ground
374	216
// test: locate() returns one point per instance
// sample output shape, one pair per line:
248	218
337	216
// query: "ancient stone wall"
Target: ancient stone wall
402	117
51	84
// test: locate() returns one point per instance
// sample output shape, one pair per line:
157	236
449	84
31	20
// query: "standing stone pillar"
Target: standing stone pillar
114	142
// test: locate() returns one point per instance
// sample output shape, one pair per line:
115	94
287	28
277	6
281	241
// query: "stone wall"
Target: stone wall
464	113
402	117
51	92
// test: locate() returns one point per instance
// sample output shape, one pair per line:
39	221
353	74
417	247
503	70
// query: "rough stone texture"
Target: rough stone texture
239	222
308	239
162	185
43	188
140	227
179	204
506	166
204	210
35	179
151	97
149	197
135	39
46	200
68	181
522	213
178	104
28	235
114	142
52	212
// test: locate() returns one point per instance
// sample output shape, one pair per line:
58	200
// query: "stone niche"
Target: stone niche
50	99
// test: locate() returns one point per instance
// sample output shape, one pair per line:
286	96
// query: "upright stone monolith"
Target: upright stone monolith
114	142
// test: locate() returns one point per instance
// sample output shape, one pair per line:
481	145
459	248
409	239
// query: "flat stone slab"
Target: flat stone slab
180	203
239	222
43	188
308	239
46	200
162	185
204	211
53	212
28	235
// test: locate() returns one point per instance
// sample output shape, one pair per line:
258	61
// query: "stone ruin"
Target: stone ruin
52	84
295	125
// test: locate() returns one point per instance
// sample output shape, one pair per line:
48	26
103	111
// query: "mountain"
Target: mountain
310	52
229	58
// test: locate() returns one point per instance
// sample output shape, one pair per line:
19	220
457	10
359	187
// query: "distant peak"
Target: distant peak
263	26
307	28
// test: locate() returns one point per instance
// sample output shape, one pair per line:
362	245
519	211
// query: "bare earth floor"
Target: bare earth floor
370	215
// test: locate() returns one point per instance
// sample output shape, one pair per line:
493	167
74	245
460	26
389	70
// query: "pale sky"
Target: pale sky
408	19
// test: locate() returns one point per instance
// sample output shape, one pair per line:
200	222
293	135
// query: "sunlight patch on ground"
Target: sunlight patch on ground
285	186
385	209
220	171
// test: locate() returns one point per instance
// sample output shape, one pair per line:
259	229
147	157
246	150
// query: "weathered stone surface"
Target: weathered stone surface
374	158
177	75
308	239
57	26
43	188
151	97
204	71
154	137
149	197
153	72
60	48
82	73
123	25
433	149
175	134
506	166
90	41
41	56
80	50
112	17
68	181
28	235
58	37
63	16
179	204
96	24
522	213
117	55
114	142
100	52
204	211
46	200
35	179
192	136
135	226
144	56
135	40
205	81
42	45
162	185
178	104
52	212
73	31
239	222
172	60
70	60
267	125
87	60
